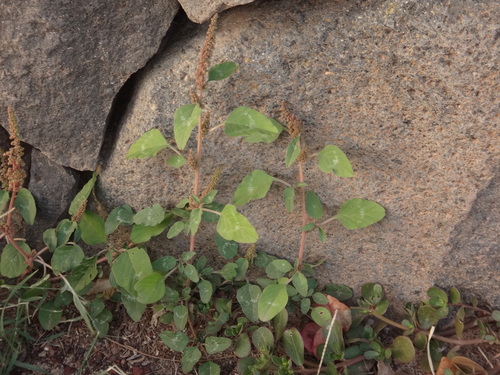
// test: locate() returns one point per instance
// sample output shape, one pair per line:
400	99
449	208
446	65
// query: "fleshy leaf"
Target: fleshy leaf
254	186
360	213
185	119
222	71
333	159
149	144
252	125
402	349
233	226
25	203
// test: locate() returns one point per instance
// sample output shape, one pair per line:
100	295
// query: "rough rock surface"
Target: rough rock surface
201	11
408	90
62	64
53	188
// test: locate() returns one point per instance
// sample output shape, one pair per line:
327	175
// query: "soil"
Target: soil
135	348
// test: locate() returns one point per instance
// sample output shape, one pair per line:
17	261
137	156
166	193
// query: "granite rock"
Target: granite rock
407	89
62	63
201	11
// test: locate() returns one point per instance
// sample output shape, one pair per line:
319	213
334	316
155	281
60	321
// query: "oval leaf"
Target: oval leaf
206	290
360	213
150	216
263	339
233	226
294	345
252	125
228	249
209	368
190	357
243	346
289	196
25	203
292	151
254	186
222	71
272	300
180	317
176	161
217	344
149	144
92	227
314	207
11	261
402	349
186	118
175	340
66	258
49	315
248	297
333	159
150	288
121	215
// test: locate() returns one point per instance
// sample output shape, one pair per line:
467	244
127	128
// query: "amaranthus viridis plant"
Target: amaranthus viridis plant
13	196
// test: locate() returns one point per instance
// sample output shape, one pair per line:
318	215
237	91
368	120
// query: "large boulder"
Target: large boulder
63	62
406	88
201	11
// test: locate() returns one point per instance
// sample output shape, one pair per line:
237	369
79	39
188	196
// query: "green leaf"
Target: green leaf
150	216
149	144
292	151
209	198
82	195
222	71
195	220
150	288
242	269
321	316
278	268
66	258
50	239
164	264
180	317
176	229
254	186
83	275
455	295
438	294
49	315
272	300
248	297
175	340
25	203
243	347
229	271
321	235
402	349
206	290
11	261
289	196
92	226
121	215
185	119
228	249
233	226
299	281
141	233
252	125
294	345
314	207
4	199
217	344
341	292
360	213
209	368
263	339
308	227
279	323
130	267
191	273
427	316
496	315
305	305
333	159
372	292
134	308
190	357
64	231
176	161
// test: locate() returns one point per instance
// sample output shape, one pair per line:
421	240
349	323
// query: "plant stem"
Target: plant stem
326	221
458	341
304	214
388	321
283	182
217	127
196	187
211	211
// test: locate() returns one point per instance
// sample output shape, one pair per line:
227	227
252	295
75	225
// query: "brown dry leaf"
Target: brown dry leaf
467	365
446	363
343	314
